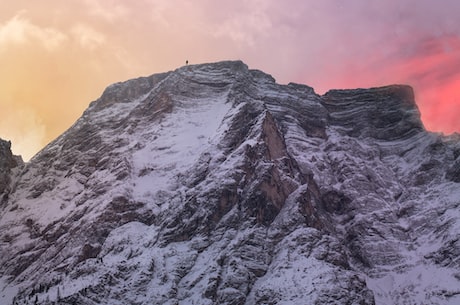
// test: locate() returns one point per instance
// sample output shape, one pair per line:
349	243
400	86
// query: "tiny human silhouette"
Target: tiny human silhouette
186	62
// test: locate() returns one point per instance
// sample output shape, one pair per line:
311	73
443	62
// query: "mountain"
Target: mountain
213	184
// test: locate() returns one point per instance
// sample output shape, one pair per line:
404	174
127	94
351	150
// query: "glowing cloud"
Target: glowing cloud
58	56
25	128
19	30
88	37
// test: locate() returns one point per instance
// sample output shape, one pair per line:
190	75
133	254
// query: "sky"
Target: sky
57	56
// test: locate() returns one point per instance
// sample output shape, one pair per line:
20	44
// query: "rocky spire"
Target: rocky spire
7	162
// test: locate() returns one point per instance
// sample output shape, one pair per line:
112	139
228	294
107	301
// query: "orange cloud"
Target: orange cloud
49	76
19	30
88	37
57	56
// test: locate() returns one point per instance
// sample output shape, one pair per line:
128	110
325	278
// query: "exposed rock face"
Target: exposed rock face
453	173
212	184
7	162
387	113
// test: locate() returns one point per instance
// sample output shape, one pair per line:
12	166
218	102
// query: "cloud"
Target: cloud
430	64
434	60
325	44
19	30
108	10
88	37
24	129
246	27
348	45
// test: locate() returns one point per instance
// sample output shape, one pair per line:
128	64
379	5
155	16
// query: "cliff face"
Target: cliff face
213	184
8	161
386	113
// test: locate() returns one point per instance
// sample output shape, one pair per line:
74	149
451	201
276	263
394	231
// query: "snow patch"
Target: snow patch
182	137
7	291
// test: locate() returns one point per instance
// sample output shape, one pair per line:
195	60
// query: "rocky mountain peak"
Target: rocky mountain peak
384	113
8	161
213	184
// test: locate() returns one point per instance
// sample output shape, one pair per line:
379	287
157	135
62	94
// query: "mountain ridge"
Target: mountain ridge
213	184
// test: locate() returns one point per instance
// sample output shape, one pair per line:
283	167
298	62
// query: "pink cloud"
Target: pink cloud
411	42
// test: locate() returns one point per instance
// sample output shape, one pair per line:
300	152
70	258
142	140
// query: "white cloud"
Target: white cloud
88	37
19	30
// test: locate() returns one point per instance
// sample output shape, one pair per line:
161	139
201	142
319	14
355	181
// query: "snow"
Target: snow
295	276
421	284
7	291
178	143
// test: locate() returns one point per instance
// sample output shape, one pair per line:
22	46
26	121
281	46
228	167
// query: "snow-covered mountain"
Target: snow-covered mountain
213	184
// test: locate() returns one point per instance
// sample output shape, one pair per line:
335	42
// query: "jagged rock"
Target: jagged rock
387	113
8	161
213	184
453	173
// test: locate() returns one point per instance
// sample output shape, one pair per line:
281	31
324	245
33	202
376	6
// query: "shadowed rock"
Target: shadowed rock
385	113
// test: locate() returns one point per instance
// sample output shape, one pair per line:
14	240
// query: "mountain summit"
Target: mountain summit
213	184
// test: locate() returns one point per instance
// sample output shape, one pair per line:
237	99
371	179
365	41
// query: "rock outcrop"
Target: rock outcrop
386	113
8	161
213	184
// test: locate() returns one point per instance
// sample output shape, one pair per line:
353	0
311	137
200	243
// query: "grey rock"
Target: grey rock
8	161
383	113
453	173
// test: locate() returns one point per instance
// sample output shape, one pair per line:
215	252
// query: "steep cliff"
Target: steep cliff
8	162
213	184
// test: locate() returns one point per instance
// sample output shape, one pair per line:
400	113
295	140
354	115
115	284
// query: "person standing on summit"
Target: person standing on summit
186	62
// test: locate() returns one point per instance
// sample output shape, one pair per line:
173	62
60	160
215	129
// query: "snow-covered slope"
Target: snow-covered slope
213	184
